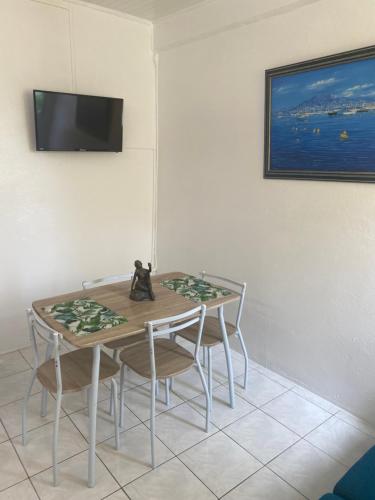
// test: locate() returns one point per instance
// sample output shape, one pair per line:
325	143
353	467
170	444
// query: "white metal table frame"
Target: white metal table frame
93	400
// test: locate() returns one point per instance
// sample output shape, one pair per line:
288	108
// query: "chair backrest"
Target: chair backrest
235	286
174	324
106	280
39	330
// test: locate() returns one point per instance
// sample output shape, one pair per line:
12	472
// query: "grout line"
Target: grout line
110	494
241	482
352	425
285	481
24	357
19	458
187	401
19	482
18	372
149	471
104	440
199	479
60	462
326	453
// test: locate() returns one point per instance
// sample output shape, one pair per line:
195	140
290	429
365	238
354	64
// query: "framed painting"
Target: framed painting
320	119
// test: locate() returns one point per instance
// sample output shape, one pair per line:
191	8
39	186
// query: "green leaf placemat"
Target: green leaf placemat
84	316
195	289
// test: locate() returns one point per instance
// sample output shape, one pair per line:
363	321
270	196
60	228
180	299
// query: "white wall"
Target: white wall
306	249
65	217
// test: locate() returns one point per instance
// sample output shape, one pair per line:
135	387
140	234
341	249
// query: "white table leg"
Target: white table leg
227	356
92	413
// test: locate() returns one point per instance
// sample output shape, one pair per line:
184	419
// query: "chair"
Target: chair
164	358
212	331
60	374
115	345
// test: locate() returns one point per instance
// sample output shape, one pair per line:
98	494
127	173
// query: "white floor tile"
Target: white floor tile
219	366
182	484
3	434
220	463
21	491
118	495
11	470
317	400
12	363
37	454
264	485
11	414
181	428
308	469
73	481
132	380
356	422
133	459
289	384
189	385
138	400
260	389
296	413
105	427
14	387
261	435
222	414
76	401
341	441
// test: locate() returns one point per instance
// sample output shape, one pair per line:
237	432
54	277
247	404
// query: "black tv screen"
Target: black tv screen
76	122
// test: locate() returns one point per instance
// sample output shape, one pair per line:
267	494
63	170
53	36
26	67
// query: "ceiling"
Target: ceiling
147	9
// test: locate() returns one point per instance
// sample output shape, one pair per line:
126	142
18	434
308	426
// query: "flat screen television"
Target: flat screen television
76	122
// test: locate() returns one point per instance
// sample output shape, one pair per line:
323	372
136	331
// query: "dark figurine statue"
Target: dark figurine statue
141	288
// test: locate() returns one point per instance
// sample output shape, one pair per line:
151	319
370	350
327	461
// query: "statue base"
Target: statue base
138	296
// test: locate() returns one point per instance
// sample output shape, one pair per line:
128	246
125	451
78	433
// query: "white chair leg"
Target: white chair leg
157	389
246	358
152	422
204	357
122	379
208	402
24	409
114	357
56	438
167	397
44	401
228	356
209	375
115	411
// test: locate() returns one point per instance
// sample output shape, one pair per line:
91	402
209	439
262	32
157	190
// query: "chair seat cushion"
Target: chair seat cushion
211	332
359	482
170	358
127	341
76	367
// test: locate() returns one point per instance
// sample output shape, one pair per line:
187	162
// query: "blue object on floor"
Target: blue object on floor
359	482
330	496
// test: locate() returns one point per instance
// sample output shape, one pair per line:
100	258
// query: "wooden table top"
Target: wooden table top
116	297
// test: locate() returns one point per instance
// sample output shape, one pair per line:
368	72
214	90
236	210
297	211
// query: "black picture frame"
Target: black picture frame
273	166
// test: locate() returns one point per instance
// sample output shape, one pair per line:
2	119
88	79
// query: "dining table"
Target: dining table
169	301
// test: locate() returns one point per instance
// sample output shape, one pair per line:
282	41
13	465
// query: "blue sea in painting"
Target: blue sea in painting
324	120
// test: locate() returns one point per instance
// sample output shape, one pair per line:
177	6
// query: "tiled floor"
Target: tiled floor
281	441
